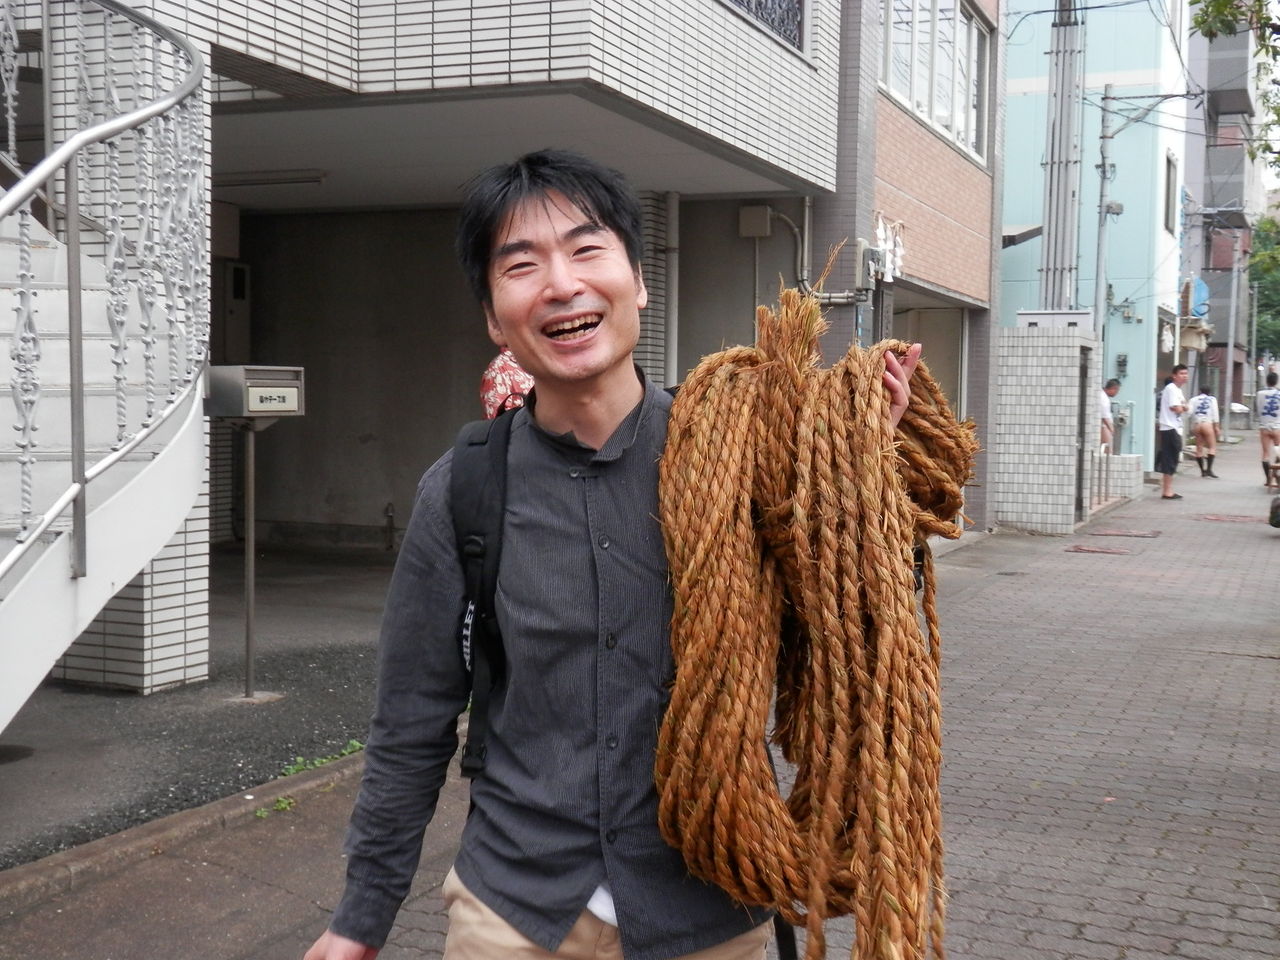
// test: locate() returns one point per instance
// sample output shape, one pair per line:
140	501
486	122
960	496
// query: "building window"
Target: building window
1171	194
936	61
782	17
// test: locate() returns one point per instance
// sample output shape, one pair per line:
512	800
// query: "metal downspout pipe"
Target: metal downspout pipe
672	251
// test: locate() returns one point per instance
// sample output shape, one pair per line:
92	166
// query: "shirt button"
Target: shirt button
575	472
604	542
611	836
611	742
610	641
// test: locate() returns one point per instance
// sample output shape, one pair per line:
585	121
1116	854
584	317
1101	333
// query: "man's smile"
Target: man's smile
566	331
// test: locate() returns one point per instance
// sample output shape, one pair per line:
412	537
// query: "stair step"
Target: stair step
51	478
48	256
98	356
51	310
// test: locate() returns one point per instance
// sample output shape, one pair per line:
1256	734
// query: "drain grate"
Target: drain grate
1230	518
1124	533
1085	548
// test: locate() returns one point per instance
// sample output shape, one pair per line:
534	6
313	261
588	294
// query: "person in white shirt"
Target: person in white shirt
1104	412
1172	406
1267	405
1204	429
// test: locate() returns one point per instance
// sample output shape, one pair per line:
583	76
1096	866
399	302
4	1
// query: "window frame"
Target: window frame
970	69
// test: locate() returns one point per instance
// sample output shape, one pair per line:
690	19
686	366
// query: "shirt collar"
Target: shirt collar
622	438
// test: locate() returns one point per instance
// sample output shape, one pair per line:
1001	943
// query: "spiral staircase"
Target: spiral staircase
104	268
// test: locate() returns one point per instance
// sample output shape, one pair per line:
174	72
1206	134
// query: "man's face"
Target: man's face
1112	390
1181	377
564	297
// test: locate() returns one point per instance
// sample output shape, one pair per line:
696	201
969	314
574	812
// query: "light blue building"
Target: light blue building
1136	53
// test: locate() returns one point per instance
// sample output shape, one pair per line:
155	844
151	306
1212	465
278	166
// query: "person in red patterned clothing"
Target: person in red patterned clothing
504	385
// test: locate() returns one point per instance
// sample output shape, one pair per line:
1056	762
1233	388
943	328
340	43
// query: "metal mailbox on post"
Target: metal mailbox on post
243	392
252	399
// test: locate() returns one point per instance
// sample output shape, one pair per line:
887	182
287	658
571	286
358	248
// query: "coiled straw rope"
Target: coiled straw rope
791	510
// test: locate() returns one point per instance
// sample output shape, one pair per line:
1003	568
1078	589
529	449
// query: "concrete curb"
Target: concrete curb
30	883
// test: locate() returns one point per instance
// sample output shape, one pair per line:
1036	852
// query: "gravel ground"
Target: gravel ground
77	764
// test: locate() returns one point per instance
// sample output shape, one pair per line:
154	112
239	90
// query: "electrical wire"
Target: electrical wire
1097	6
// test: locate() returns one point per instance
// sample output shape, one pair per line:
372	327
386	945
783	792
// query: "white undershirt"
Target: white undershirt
601	905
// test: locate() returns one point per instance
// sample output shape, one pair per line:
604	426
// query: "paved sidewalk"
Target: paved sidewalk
1111	781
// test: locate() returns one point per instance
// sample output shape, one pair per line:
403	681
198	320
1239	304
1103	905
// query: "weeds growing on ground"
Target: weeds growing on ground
301	763
280	806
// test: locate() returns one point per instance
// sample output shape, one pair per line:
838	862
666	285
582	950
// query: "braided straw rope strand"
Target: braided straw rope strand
790	510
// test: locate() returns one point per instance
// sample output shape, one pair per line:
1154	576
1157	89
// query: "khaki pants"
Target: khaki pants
477	933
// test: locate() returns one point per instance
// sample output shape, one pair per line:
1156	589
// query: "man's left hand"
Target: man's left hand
897	380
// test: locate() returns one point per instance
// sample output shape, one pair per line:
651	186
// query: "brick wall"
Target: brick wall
941	196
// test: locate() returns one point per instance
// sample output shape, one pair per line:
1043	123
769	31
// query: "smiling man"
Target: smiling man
561	854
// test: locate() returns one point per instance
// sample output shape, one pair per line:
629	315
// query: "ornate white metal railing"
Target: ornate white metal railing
783	17
136	163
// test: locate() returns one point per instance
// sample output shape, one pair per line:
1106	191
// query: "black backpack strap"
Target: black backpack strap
786	936
478	487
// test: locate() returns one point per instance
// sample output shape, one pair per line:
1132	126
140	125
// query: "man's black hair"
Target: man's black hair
602	194
1113	382
1178	368
1272	377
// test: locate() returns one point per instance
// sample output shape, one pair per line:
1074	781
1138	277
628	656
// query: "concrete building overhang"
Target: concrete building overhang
398	151
1011	236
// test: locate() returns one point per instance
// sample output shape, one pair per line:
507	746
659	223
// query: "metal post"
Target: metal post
75	347
1104	174
1253	335
250	548
1060	247
672	279
46	66
1229	358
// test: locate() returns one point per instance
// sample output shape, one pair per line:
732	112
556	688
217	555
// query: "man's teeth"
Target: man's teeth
572	329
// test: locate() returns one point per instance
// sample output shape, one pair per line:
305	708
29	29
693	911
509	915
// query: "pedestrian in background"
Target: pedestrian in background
1204	430
503	385
1111	388
1267	405
1173	404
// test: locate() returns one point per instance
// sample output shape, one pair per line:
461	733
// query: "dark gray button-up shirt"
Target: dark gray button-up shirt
567	797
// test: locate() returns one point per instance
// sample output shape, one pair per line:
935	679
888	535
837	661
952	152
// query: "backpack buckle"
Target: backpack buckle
473	760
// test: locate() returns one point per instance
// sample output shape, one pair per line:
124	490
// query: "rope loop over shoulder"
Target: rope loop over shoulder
791	511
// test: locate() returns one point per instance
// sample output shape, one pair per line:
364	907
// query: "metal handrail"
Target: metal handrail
69	495
29	187
59	209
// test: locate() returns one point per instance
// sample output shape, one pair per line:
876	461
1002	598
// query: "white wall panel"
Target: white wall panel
704	63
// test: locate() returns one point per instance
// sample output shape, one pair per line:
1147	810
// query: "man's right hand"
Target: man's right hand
333	946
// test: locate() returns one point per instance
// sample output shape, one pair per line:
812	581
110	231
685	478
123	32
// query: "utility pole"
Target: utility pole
1229	357
1104	175
1059	250
1105	207
1253	335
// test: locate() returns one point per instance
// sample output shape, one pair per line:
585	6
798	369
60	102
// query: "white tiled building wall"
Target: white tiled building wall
154	633
317	38
1036	427
651	350
222	484
699	63
1114	477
